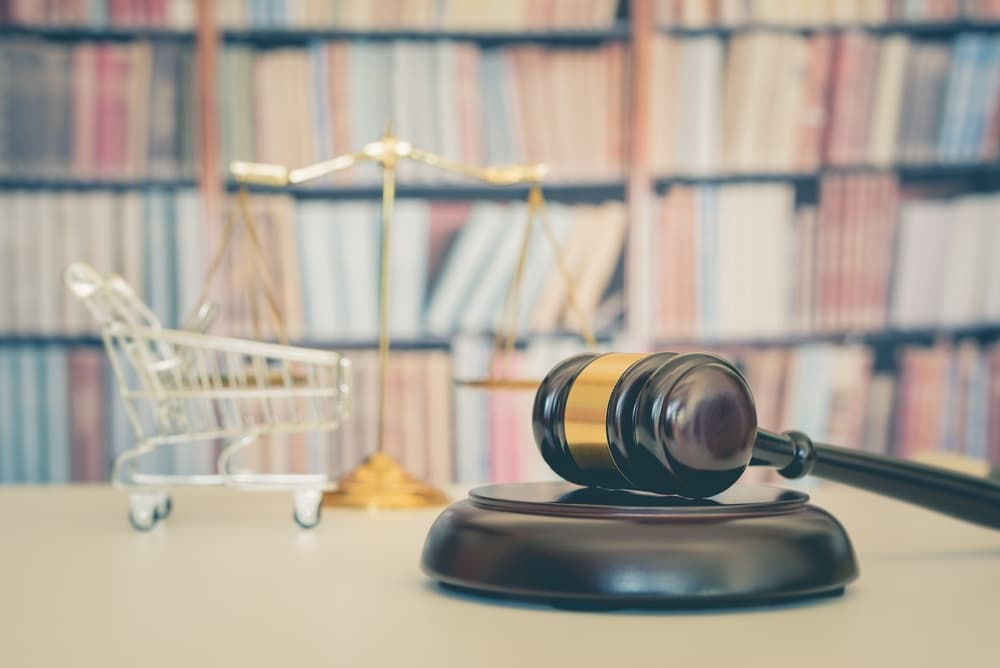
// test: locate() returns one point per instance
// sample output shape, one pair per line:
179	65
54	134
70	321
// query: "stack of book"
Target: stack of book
819	13
787	103
724	268
451	267
448	431
61	420
519	104
175	14
439	15
949	398
86	110
845	255
452	263
945	270
418	424
446	15
821	389
860	261
54	410
153	239
492	429
945	398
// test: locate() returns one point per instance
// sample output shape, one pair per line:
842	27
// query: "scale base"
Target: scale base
382	483
591	548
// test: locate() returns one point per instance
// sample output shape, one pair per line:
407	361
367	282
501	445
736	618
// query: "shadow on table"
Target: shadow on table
503	600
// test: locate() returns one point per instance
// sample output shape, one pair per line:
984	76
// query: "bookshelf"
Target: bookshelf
855	383
632	288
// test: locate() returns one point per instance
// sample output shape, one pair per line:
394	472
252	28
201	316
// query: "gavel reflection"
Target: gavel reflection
686	424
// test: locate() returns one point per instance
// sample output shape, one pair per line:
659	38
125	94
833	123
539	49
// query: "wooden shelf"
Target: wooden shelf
271	37
581	191
70	183
92	340
914	28
422	343
619	31
81	33
876	338
283	37
570	191
906	172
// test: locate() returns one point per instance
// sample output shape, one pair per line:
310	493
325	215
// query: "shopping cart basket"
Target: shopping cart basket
189	389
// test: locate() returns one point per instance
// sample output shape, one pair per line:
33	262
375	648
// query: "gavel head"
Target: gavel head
666	423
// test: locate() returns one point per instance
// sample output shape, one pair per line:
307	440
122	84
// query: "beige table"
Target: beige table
229	580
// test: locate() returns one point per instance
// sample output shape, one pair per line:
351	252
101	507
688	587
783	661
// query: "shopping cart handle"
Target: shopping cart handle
201	320
82	280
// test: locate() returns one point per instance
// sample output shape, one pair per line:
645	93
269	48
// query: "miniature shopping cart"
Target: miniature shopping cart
188	389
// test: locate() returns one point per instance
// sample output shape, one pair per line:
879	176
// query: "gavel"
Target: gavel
686	424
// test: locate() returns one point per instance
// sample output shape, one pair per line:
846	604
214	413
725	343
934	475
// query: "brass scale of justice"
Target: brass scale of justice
654	444
381	481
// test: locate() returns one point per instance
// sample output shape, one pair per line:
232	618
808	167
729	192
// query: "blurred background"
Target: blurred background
811	188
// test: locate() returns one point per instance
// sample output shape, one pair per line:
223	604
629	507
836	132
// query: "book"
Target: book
956	236
859	259
89	460
359	237
746	228
361	15
11	444
86	110
888	98
54	410
937	399
322	258
471	358
607	229
512	104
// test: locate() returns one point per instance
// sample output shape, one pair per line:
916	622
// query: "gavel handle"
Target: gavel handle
966	497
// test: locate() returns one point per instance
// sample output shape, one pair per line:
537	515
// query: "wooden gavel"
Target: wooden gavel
686	424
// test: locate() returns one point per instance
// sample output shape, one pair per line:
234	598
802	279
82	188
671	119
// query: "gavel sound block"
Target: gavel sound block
651	446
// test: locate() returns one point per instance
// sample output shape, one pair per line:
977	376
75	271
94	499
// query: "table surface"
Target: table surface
229	580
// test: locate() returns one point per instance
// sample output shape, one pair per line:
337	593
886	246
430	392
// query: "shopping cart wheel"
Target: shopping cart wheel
307	520
142	520
163	508
144	509
307	508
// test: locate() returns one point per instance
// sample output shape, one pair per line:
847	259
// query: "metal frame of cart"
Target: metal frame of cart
198	390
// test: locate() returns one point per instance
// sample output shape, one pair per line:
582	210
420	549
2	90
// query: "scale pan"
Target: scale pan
520	384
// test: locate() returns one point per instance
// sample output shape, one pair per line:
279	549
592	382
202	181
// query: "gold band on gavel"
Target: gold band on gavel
585	419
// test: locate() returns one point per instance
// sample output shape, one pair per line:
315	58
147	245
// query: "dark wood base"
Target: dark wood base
599	549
